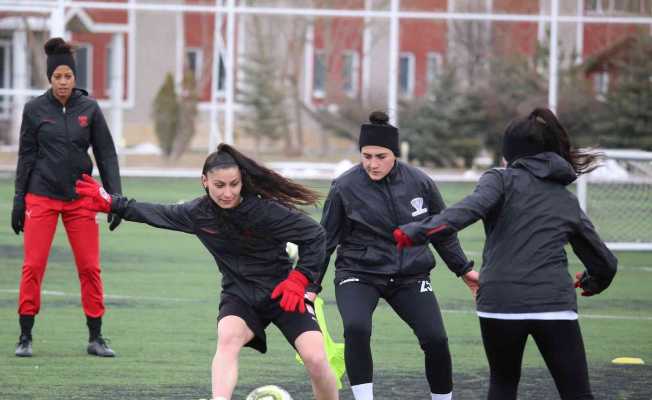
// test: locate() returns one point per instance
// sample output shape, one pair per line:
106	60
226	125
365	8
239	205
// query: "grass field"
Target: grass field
162	290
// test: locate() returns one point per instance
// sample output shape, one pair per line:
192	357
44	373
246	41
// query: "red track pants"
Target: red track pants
41	218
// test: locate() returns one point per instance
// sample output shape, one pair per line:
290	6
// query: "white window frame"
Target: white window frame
89	64
409	92
5	112
437	59
199	61
354	73
319	93
109	64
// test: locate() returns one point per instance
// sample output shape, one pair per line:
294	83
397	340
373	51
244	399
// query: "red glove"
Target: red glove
402	239
293	288
94	195
579	276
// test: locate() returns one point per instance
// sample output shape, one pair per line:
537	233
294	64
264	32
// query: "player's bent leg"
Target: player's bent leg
232	334
310	346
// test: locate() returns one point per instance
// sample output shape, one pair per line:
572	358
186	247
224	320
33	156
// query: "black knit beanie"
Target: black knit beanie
379	133
58	53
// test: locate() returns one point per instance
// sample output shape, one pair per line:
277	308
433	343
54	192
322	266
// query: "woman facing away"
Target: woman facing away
56	132
245	220
525	289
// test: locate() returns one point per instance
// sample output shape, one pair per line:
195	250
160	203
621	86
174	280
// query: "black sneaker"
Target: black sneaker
24	346
100	348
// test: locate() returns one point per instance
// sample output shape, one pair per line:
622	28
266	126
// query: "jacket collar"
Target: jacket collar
76	94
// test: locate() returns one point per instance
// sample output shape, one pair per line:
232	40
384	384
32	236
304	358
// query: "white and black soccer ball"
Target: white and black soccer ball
269	392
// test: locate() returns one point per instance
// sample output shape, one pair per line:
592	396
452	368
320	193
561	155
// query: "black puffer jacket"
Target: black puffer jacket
247	242
54	142
529	216
360	215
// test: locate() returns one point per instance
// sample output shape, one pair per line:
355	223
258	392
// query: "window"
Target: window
319	75
195	62
5	77
350	70
601	84
406	74
220	74
434	65
619	6
83	65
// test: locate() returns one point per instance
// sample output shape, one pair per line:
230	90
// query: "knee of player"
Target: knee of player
357	329
229	343
316	363
434	342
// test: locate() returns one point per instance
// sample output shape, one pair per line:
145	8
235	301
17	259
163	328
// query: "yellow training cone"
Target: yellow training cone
628	361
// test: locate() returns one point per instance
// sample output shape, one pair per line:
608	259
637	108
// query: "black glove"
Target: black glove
18	214
113	220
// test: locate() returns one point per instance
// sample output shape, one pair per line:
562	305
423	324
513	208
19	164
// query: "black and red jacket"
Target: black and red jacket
360	215
248	242
54	142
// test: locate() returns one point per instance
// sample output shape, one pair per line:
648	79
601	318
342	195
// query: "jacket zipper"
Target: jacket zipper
392	204
65	131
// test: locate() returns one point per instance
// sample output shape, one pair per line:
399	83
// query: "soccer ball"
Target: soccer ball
269	392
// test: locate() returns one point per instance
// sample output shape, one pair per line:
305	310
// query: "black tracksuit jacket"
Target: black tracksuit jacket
248	242
54	142
360	215
529	216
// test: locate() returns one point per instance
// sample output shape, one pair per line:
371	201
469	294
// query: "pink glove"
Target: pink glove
94	195
402	239
293	288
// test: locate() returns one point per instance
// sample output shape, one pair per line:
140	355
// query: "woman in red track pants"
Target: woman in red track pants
57	129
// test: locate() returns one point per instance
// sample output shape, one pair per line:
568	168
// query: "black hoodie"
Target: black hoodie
529	216
54	142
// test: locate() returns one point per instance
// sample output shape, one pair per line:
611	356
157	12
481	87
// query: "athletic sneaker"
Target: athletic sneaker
24	346
100	348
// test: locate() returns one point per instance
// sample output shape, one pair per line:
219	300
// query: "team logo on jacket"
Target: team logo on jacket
425	287
83	121
417	203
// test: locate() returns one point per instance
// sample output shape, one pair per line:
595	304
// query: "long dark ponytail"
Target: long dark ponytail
260	181
556	138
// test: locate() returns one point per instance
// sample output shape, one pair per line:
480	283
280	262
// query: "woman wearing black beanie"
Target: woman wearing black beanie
57	129
364	205
525	288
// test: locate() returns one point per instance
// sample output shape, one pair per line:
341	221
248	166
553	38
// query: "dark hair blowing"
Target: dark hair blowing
259	180
542	126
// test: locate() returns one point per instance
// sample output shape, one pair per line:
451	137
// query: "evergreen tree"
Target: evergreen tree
165	112
446	125
627	120
187	109
263	93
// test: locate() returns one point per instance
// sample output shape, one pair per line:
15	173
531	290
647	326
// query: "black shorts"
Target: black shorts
258	317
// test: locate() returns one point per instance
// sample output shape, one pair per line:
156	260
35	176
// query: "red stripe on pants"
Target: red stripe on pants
41	217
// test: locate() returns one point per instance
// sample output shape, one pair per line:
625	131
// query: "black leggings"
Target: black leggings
560	343
416	304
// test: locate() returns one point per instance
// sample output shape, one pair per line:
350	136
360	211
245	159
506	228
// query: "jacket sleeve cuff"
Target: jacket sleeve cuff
467	267
314	288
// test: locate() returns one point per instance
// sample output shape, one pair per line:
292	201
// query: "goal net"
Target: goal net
618	199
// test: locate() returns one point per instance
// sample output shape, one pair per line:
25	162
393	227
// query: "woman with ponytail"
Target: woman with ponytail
57	130
525	287
245	220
